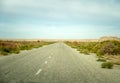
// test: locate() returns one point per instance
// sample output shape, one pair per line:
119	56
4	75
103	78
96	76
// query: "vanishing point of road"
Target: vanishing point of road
55	63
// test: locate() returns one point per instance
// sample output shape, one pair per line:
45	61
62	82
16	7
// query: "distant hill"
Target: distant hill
79	40
109	38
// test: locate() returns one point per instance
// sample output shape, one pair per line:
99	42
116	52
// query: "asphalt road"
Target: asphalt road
55	63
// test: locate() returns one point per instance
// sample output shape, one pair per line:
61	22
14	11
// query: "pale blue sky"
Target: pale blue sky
59	19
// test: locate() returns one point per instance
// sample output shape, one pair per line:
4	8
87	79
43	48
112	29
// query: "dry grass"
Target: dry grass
115	59
8	47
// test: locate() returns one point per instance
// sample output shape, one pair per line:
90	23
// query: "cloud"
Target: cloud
60	18
61	9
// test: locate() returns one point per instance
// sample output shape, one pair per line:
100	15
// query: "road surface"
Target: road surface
55	63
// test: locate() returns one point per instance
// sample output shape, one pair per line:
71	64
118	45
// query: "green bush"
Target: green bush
108	65
99	53
4	53
101	59
6	49
16	51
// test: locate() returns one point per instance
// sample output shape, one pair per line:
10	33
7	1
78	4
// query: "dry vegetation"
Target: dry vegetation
108	51
8	47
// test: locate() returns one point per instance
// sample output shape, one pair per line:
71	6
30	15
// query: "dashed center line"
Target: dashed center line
41	69
46	62
38	71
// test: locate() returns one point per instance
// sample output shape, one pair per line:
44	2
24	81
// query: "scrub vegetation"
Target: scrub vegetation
108	65
105	50
8	47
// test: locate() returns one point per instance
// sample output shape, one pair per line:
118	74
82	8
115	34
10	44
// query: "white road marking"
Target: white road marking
38	71
46	62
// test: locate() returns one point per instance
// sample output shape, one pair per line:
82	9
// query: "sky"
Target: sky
59	19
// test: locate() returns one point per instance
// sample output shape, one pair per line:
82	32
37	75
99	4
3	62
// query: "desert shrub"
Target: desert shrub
7	47
96	47
108	65
100	48
75	43
99	53
101	59
116	50
25	47
111	47
84	51
4	53
108	48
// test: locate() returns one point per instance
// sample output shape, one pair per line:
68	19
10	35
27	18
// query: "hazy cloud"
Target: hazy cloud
57	18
